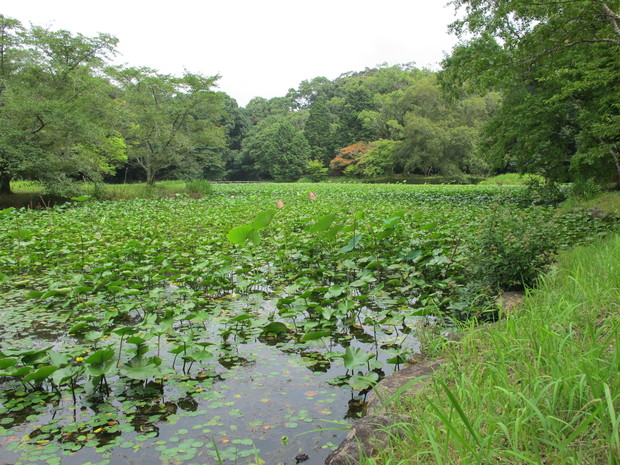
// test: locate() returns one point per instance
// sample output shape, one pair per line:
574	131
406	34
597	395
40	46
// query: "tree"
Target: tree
556	63
423	146
171	124
379	159
348	157
277	150
54	109
318	132
222	161
356	98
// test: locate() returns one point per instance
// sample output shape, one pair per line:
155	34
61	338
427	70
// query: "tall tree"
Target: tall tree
54	118
318	132
277	150
557	64
171	123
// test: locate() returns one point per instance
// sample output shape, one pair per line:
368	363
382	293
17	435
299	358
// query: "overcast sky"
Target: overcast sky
260	48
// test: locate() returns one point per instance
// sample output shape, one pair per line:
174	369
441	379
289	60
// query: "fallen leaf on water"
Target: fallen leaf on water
8	439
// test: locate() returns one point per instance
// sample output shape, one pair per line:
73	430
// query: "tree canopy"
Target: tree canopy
54	110
557	65
532	86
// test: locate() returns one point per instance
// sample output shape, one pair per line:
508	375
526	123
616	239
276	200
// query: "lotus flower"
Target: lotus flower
312	196
280	204
232	196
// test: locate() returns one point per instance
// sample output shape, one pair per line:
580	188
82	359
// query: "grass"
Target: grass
539	387
30	194
608	202
509	179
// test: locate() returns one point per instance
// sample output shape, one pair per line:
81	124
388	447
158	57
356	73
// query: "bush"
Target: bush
316	171
542	192
512	249
63	187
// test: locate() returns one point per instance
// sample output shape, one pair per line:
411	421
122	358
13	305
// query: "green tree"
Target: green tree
356	97
379	160
318	132
171	124
54	105
278	151
556	63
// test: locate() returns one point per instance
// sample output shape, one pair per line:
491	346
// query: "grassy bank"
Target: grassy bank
540	387
27	194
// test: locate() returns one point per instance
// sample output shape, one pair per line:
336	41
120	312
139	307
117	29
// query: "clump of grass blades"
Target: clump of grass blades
542	386
199	186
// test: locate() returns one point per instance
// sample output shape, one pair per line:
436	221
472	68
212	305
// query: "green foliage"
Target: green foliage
63	187
318	132
586	189
170	123
316	171
152	303
380	158
399	104
508	179
511	252
480	409
199	186
55	112
541	192
554	64
277	151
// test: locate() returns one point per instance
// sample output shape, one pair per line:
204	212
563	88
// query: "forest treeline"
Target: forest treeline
531	88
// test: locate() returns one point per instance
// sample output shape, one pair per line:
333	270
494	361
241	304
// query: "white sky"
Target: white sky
259	47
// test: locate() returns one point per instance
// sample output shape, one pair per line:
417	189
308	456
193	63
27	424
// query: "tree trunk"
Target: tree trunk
616	158
5	183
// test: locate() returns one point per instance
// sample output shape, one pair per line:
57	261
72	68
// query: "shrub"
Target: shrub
63	187
512	249
541	192
316	171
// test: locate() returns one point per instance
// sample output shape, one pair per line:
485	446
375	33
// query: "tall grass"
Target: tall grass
607	202
198	188
509	179
540	387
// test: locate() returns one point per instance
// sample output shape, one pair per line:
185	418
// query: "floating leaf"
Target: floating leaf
275	327
314	335
7	362
141	369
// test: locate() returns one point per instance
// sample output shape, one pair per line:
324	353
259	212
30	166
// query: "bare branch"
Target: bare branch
613	18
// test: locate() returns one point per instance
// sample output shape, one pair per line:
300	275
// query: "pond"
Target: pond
246	327
258	397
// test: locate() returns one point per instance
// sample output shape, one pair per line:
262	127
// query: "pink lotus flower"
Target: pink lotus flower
312	196
232	196
280	204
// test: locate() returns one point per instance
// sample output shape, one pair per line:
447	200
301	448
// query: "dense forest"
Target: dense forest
531	88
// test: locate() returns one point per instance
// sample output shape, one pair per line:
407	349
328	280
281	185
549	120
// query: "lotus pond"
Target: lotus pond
244	327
